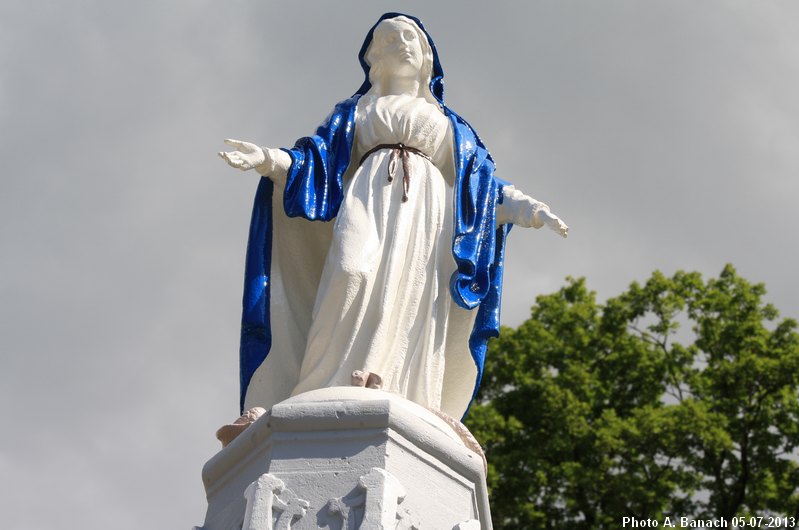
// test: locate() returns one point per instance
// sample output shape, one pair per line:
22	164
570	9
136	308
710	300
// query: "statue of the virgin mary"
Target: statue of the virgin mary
398	282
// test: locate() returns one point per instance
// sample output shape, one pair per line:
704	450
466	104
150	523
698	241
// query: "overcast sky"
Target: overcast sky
665	133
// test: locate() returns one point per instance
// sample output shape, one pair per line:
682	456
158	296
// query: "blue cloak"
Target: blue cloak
314	191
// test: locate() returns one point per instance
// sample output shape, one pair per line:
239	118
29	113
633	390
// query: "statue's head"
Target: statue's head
398	45
399	48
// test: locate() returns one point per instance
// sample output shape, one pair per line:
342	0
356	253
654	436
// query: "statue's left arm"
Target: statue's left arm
520	209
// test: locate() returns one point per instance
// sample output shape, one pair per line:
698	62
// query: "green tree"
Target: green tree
677	398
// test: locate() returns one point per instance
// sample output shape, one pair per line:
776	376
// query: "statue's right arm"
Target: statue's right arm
272	163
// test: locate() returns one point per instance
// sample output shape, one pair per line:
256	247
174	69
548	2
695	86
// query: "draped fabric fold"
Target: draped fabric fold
256	333
314	185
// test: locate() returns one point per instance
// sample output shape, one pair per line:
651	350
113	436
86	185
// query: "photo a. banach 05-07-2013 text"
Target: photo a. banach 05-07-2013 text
718	522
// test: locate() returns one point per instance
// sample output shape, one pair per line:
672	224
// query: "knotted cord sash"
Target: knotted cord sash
402	152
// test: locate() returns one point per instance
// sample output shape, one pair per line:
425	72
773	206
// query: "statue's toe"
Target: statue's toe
374	381
359	378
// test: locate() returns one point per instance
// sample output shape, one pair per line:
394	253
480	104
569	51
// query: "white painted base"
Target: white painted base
346	458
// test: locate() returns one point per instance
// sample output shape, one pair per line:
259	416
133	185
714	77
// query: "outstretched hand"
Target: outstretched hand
245	157
553	221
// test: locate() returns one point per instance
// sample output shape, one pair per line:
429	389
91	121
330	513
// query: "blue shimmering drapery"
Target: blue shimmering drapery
314	190
256	334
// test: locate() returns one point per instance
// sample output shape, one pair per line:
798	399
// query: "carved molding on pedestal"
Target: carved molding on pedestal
347	458
271	505
374	504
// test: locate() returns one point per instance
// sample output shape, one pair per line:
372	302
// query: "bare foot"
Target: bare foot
374	381
228	433
463	433
359	378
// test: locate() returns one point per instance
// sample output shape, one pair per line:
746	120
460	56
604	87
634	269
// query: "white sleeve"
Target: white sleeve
520	209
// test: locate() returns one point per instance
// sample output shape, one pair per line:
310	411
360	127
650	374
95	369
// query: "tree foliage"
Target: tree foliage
676	398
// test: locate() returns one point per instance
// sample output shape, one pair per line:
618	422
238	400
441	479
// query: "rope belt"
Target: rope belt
398	151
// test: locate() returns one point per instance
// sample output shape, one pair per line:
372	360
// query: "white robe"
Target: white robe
382	301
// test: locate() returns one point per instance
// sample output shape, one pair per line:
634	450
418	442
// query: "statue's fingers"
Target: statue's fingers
232	159
556	225
234	143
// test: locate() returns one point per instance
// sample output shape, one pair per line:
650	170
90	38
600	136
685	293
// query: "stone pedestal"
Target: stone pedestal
346	458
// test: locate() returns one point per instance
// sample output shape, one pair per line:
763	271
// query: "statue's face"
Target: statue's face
401	51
